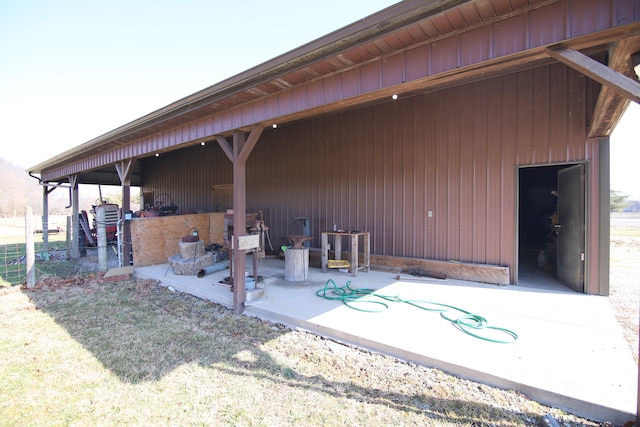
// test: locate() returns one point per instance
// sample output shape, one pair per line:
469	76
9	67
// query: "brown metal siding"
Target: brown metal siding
187	176
460	36
384	167
507	169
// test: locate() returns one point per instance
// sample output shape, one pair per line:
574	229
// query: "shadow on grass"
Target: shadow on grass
141	332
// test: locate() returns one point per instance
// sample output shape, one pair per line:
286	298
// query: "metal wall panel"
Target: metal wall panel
458	37
383	168
187	176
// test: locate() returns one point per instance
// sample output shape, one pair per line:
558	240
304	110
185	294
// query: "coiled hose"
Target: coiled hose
467	322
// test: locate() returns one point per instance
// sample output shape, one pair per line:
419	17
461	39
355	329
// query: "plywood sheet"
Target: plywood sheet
216	227
155	239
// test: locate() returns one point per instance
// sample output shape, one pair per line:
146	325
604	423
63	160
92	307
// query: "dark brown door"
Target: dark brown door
571	231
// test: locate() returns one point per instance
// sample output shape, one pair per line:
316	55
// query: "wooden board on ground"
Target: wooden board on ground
119	271
118	274
484	273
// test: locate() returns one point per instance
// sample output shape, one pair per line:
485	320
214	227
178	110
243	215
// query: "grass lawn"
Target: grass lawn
13	250
134	353
77	351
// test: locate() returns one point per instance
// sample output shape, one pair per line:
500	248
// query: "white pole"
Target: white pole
31	257
119	241
69	234
102	238
45	221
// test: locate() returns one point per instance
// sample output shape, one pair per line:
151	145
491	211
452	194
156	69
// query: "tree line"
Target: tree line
619	203
19	190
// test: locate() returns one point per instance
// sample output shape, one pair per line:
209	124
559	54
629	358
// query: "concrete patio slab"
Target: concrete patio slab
570	352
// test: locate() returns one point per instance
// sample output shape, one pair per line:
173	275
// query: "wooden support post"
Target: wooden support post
75	223
124	169
354	254
239	223
238	154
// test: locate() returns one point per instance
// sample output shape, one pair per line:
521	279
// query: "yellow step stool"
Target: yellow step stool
338	263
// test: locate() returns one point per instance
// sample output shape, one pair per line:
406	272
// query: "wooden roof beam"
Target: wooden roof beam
619	84
245	149
597	71
611	103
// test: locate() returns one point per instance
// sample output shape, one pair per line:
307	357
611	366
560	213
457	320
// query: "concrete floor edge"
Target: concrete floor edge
577	406
589	410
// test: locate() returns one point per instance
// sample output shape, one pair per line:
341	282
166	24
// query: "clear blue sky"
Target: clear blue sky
72	70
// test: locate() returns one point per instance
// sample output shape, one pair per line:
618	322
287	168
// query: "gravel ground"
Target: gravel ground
625	288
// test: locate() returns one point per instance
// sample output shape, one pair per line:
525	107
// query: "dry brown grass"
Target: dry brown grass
80	352
135	353
625	282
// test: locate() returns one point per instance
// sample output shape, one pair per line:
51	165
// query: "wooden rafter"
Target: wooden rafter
226	147
597	71
124	169
611	104
619	86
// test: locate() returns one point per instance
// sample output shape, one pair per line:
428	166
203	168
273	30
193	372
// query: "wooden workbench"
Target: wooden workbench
354	239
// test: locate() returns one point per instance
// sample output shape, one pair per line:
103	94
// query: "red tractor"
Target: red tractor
89	233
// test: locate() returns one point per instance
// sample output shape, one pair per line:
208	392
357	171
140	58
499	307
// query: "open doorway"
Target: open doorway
551	208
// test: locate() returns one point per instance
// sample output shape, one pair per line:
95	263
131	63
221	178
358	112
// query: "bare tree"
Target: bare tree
17	190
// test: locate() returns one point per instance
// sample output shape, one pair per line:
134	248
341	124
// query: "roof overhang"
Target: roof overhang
415	46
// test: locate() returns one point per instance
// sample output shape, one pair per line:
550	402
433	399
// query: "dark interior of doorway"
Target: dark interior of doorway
537	241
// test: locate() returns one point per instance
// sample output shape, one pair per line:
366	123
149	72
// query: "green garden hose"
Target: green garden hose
358	299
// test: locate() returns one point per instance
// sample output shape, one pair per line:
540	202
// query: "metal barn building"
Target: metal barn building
449	130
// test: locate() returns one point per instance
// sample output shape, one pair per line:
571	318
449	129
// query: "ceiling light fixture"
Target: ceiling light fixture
275	125
394	96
